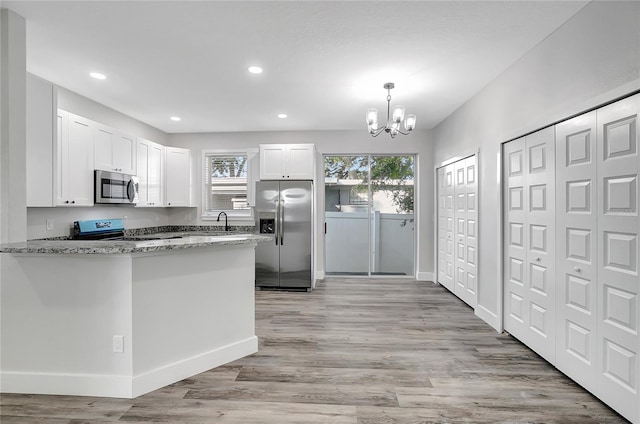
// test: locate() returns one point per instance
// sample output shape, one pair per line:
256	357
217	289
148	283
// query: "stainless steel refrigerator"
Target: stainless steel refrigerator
283	209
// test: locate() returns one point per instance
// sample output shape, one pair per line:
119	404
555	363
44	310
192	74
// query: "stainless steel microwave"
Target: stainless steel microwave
113	187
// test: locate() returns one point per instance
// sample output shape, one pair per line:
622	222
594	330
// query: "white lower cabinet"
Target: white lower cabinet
457	229
74	162
150	157
177	176
583	315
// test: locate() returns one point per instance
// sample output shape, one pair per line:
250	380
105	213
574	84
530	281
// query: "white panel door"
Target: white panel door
459	231
618	256
529	241
465	220
442	230
576	235
471	232
457	228
448	217
516	311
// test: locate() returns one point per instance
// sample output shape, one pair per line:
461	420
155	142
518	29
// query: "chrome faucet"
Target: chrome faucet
226	222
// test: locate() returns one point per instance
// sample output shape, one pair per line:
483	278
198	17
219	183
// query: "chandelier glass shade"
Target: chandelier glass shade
395	118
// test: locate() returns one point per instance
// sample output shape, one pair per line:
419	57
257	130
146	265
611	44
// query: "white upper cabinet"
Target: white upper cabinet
287	161
177	176
150	160
74	163
114	151
41	123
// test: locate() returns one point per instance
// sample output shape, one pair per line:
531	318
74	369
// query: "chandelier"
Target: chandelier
392	126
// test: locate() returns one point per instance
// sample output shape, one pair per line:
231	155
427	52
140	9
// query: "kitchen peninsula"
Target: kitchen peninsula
123	318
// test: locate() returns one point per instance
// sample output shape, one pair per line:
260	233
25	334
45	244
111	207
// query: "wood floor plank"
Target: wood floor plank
365	351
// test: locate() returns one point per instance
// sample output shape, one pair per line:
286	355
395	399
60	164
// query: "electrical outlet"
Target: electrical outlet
49	224
118	344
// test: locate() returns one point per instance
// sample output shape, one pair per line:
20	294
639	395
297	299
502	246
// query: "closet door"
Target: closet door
516	312
471	224
459	224
442	231
576	236
618	256
464	242
529	241
448	213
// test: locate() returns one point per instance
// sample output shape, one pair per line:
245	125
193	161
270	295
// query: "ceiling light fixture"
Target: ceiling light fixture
392	126
255	69
98	75
175	118
282	115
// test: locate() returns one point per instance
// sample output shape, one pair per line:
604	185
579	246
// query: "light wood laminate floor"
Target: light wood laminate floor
352	351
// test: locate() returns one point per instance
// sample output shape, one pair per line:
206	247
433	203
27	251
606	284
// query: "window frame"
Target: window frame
240	214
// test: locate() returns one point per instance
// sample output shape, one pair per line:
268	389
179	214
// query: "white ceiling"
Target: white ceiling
324	61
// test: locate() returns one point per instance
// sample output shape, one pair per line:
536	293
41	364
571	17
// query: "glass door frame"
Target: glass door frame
369	156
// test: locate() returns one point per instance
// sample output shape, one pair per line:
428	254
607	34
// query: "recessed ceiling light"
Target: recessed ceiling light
255	69
98	75
282	115
175	118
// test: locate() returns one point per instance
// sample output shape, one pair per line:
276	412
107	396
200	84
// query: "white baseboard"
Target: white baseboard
319	275
160	377
122	386
425	276
489	317
118	386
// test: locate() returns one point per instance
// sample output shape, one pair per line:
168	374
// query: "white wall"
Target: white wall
593	58
80	105
13	93
63	218
337	142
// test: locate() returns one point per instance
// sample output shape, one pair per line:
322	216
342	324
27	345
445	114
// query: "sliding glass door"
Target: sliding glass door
369	215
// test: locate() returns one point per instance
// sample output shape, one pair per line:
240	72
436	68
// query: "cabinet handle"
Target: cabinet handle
577	269
73	201
66	201
537	259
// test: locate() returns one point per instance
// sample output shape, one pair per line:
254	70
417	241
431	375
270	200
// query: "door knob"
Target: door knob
537	259
577	269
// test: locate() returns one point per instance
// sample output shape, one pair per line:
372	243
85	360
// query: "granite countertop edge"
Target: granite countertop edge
188	240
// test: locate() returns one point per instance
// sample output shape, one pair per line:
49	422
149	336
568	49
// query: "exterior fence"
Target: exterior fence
347	243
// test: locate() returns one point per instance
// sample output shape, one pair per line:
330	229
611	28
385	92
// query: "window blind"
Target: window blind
226	182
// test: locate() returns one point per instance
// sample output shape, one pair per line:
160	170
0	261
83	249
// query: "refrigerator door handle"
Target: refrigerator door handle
281	222
276	230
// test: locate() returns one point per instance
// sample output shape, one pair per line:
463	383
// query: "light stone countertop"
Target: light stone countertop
142	244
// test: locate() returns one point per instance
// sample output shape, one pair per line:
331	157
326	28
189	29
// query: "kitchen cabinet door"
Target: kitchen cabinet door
299	164
287	161
177	176
114	151
75	162
149	167
272	158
